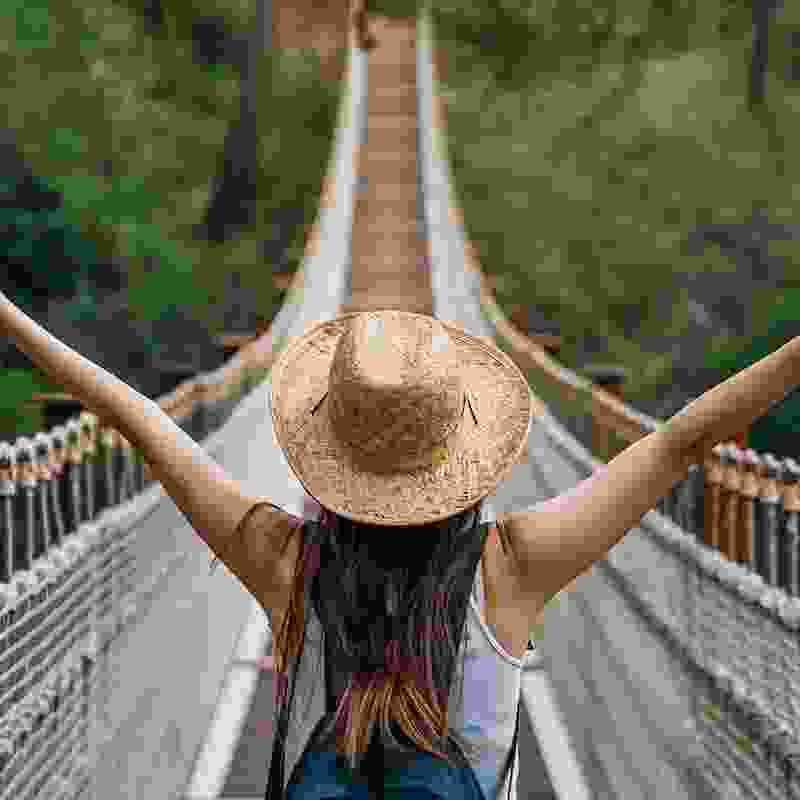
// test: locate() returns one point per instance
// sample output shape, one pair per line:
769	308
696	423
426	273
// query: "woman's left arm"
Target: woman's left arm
559	538
213	503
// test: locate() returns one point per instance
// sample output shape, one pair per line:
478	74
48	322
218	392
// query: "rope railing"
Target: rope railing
67	588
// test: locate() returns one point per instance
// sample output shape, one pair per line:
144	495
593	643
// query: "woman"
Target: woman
401	427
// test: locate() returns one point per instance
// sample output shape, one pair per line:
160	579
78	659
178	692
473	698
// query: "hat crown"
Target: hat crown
396	391
348	392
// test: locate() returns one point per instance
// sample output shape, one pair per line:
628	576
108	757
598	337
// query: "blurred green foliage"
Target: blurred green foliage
238	15
778	431
393	8
17	414
586	140
129	128
35	239
142	104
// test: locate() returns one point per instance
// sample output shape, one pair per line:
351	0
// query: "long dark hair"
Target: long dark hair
392	604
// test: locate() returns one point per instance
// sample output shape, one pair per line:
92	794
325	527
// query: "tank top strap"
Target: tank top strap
488	517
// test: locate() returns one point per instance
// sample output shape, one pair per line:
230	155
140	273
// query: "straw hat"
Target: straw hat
394	418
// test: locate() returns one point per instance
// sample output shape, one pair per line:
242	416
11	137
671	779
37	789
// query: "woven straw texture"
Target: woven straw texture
394	418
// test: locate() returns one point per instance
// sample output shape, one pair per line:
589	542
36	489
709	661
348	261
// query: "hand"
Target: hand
5	305
9	316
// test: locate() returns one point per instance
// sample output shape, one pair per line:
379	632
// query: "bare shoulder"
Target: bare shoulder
528	537
559	538
527	593
266	552
513	528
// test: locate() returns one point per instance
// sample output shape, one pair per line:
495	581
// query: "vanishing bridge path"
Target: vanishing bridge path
389	259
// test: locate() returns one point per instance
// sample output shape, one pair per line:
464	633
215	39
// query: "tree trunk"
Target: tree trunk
153	17
233	202
761	11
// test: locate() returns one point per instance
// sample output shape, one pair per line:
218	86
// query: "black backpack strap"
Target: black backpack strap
514	743
276	779
274	790
514	750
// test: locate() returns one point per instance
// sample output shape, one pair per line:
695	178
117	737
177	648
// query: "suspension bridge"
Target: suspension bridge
128	670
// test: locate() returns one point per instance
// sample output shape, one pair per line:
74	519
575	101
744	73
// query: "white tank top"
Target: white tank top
484	713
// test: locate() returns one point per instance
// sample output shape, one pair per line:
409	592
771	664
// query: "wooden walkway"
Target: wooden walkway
389	253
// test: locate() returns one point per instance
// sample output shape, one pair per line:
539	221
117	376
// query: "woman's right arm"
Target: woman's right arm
212	501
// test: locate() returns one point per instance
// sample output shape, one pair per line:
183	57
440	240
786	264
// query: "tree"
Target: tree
46	256
761	10
153	16
233	201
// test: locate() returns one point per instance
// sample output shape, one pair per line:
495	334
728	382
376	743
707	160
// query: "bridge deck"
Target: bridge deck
389	270
388	267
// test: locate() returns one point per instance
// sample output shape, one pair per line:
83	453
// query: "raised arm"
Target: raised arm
213	503
558	539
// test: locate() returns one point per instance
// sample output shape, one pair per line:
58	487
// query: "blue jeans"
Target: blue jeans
324	775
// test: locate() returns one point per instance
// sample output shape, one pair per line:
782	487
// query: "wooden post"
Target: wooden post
233	342
262	325
282	277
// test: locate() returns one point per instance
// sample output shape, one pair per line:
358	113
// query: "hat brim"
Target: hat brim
472	465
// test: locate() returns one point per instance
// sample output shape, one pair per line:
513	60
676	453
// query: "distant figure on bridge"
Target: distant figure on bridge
401	606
